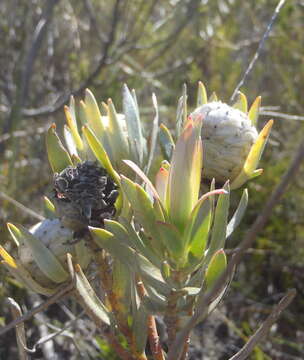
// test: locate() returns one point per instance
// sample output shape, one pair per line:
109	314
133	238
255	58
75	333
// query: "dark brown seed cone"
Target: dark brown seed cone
84	195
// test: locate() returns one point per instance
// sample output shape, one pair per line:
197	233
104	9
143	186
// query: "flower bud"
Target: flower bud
227	136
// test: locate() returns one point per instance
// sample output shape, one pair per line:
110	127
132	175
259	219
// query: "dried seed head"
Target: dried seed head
84	195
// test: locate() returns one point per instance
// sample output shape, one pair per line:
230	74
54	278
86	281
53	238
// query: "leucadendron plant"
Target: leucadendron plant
157	243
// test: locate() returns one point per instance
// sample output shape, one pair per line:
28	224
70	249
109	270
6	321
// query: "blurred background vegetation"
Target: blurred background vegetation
51	49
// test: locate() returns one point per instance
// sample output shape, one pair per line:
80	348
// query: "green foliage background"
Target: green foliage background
157	47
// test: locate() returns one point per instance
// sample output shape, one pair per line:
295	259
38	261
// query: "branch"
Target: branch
63	291
103	62
20	330
260	47
262	331
21	207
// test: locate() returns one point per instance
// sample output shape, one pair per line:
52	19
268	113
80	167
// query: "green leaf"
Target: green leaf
166	142
83	254
241	103
72	124
22	275
49	208
58	156
118	138
92	113
140	203
153	138
253	157
201	95
69	141
254	110
219	228
138	243
213	97
172	240
216	267
185	175
152	276
100	153
44	258
140	328
89	298
131	112
238	215
181	114
197	230
106	240
121	285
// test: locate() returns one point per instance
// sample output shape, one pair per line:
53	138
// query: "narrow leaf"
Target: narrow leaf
72	124
131	112
154	132
201	95
216	267
166	142
185	175
220	225
44	258
254	110
58	156
238	215
100	153
253	157
241	103
89	298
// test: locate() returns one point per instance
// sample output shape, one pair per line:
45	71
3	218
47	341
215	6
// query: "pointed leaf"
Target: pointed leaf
172	240
83	254
253	113
185	175
201	95
131	112
92	114
220	225
100	153
161	183
49	208
58	156
140	328
69	140
181	114
166	141
216	267
241	103
238	215
154	132
89	298
114	246
72	124
143	177
118	137
44	258
253	157
213	97
197	230
139	245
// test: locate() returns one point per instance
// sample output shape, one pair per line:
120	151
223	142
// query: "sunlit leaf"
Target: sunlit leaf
58	156
201	95
254	110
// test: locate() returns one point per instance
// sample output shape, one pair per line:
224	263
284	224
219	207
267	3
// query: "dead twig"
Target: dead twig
260	47
62	292
262	331
20	330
